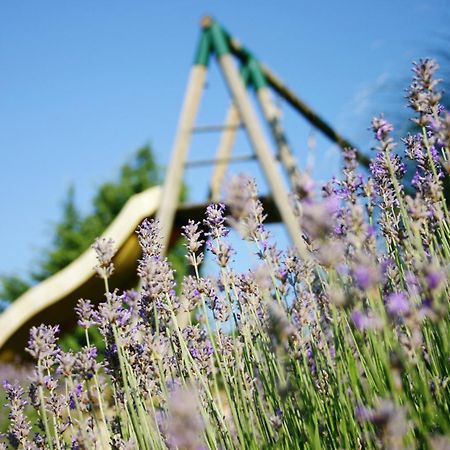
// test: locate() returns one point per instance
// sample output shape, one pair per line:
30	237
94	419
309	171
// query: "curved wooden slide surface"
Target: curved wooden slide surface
53	300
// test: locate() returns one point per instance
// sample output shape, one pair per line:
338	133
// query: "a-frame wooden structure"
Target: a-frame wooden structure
52	301
216	41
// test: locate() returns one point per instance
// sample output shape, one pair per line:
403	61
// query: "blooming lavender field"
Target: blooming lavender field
340	344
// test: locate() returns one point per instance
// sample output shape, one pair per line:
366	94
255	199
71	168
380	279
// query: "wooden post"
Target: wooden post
224	149
174	176
271	115
261	147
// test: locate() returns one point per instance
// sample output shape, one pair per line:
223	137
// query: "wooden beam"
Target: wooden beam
262	150
213	128
221	161
227	140
196	211
313	118
174	177
271	114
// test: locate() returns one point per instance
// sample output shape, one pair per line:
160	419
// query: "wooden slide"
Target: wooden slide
53	300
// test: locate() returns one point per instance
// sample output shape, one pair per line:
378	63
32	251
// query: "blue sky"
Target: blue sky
83	84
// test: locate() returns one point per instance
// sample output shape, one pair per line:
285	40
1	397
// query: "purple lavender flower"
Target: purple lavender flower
303	186
192	232
365	276
381	173
389	421
149	235
434	277
158	287
111	311
428	166
220	308
78	389
184	423
422	96
318	219
19	426
66	362
381	127
223	252
104	250
311	361
350	187
276	420
363	321
87	316
215	220
247	213
190	293
358	319
86	365
72	402
387	167
398	305
42	344
279	326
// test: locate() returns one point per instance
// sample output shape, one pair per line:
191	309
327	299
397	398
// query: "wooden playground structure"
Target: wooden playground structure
53	300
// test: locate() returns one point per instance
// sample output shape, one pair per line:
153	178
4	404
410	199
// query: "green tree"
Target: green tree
12	286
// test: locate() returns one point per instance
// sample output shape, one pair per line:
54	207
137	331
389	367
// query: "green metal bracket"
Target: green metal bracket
215	38
204	49
245	74
257	77
244	54
219	40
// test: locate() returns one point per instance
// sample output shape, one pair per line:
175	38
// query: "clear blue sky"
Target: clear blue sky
85	83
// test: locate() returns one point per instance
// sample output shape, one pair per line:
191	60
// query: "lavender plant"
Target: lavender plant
341	344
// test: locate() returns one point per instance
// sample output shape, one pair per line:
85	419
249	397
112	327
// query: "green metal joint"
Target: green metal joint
250	65
245	75
219	39
204	49
241	52
257	77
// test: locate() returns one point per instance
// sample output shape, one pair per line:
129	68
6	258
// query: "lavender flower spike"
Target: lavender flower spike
215	220
104	250
19	427
398	305
42	343
184	423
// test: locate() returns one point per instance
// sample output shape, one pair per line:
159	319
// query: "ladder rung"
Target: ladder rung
215	128
207	162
